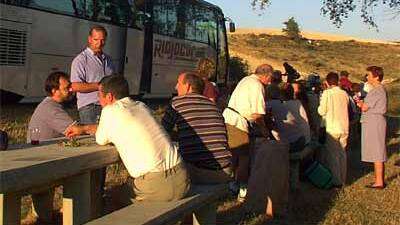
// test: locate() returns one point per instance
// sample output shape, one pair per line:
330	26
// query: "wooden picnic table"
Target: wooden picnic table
26	167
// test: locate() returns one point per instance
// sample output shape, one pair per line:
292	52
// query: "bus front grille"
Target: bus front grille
12	47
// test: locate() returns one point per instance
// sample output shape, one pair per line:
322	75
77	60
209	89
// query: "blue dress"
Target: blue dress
373	131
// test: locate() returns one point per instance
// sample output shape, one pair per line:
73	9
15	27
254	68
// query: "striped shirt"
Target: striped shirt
201	129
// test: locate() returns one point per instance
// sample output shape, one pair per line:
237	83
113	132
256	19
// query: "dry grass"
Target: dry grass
352	205
322	56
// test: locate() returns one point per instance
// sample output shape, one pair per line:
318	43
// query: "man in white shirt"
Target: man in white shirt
247	104
145	148
334	108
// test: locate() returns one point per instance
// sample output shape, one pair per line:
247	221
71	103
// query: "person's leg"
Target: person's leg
333	151
379	174
97	181
42	206
343	158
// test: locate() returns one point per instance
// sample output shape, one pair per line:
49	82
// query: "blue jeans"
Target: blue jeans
90	114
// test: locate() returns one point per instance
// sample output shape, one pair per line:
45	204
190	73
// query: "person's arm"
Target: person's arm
376	105
322	108
260	122
169	119
76	130
84	87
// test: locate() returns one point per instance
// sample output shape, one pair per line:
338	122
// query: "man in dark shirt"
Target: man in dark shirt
201	132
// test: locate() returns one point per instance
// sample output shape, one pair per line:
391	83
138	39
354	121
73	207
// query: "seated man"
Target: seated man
51	120
145	149
49	116
201	132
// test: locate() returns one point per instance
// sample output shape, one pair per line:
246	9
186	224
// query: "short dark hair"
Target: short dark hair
344	73
98	28
195	82
287	91
332	78
376	71
115	84
53	81
276	77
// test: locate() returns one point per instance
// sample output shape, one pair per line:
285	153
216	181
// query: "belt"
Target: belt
167	172
203	165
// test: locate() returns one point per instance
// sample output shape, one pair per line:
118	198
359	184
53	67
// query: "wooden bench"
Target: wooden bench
295	160
202	203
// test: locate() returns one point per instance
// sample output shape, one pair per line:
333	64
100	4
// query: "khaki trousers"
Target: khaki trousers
169	185
206	176
336	157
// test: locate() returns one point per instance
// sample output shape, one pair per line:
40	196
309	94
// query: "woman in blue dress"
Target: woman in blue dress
373	131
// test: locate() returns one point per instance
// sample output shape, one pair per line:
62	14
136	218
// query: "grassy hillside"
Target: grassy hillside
322	56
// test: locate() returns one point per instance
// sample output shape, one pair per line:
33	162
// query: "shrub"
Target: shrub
238	68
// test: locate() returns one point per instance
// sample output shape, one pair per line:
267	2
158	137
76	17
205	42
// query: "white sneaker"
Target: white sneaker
242	193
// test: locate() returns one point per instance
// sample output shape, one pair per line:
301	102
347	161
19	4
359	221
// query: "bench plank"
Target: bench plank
160	213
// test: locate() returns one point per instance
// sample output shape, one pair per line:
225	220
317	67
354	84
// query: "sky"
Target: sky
308	15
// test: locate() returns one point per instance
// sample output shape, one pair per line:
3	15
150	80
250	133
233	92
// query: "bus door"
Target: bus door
15	33
134	59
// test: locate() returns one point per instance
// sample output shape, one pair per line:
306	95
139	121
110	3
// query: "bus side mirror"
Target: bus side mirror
232	28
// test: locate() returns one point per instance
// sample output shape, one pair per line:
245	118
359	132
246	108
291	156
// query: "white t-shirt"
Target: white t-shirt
142	143
248	98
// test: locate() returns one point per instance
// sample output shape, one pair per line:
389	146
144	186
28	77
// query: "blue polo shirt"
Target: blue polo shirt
87	68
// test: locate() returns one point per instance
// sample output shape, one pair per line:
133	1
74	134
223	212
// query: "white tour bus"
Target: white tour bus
150	41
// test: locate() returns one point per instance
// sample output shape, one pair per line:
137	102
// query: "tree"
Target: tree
238	68
338	10
292	29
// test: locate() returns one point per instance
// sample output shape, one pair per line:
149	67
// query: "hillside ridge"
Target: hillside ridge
314	35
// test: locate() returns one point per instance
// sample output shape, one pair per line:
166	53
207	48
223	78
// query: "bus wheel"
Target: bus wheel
7	97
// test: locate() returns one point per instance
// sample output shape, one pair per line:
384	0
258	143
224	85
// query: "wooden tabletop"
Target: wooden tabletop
30	166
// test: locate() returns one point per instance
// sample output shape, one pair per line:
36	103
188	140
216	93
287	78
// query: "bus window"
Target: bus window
165	17
137	15
114	11
222	51
197	24
16	2
61	6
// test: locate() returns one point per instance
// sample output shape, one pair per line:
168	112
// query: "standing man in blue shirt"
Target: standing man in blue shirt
87	69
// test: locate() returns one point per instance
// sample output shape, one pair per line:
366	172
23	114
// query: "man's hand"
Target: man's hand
76	130
73	131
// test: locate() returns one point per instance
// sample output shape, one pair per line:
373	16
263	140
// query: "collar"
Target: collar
90	51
